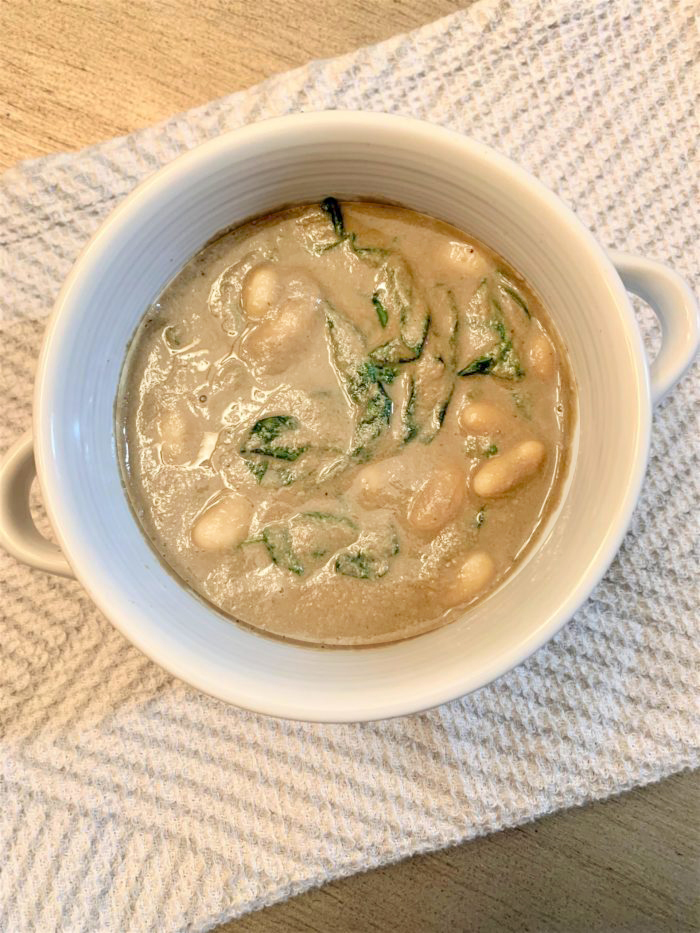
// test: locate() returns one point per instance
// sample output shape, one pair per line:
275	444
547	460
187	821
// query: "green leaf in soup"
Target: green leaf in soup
307	538
410	426
500	327
289	454
395	287
472	332
269	428
332	207
436	417
359	565
265	441
442	409
374	417
501	361
432	372
264	434
315	232
362	379
523	404
362	565
380	309
434	382
403	303
415	335
257	469
444	320
348	352
509	288
478	303
329	246
330	518
480	366
371	371
370	562
278	542
379	405
373	254
508	363
394	351
504	364
318	535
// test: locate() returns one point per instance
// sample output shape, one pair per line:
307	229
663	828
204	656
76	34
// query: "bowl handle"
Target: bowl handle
18	533
674	304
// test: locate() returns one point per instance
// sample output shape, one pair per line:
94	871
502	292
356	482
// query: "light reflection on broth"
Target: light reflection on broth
343	424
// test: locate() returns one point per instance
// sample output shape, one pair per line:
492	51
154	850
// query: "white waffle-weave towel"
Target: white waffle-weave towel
131	802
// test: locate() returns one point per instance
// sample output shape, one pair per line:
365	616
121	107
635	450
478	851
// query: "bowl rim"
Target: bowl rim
66	525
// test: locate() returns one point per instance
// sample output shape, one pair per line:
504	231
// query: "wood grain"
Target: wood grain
73	72
626	864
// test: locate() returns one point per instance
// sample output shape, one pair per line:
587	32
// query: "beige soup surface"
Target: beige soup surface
344	423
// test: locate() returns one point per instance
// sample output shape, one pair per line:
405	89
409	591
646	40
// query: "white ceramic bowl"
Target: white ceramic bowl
304	158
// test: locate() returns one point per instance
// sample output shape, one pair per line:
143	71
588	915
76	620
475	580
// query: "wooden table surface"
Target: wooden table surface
73	72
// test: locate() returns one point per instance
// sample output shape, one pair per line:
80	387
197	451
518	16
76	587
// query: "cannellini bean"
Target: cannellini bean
464	258
180	435
477	571
380	483
515	466
483	418
277	341
261	290
542	357
438	499
224	524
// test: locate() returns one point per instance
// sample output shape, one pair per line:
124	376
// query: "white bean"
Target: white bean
464	258
380	483
276	342
438	499
224	524
483	418
180	435
477	571
542	357
515	466
261	290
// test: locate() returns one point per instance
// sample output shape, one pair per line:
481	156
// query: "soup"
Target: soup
344	423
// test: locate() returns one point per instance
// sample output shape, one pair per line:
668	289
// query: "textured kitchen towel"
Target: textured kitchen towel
132	802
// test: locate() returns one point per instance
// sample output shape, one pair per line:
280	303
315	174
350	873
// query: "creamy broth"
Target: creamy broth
344	423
